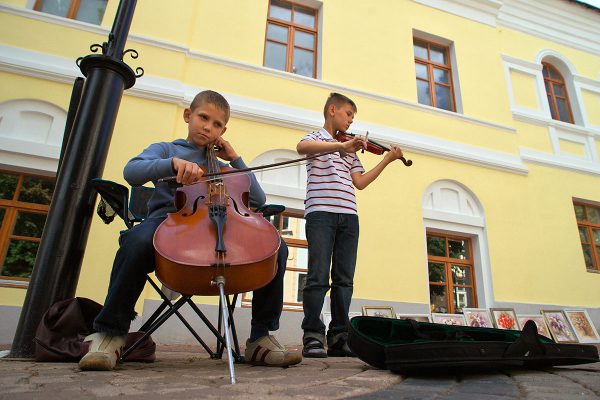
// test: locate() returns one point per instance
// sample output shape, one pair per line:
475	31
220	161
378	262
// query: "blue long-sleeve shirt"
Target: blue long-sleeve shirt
155	162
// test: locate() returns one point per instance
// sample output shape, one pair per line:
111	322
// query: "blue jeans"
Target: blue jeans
332	240
135	259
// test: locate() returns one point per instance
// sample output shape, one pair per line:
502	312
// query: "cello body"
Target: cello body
192	249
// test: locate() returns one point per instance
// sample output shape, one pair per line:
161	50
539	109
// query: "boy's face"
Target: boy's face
343	116
206	123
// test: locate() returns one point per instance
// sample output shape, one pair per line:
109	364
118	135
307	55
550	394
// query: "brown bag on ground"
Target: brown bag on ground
60	334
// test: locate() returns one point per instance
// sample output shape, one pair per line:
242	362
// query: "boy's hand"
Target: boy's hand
187	172
227	152
353	145
394	153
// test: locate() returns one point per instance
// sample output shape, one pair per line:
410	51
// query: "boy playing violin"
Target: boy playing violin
332	225
206	117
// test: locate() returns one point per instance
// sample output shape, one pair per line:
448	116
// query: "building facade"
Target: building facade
497	102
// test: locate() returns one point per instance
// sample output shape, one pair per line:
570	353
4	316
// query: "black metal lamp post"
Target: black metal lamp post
61	250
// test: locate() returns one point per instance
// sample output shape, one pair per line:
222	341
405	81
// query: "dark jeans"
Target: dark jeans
135	259
332	240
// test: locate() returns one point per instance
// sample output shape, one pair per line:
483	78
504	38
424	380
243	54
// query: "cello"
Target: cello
214	233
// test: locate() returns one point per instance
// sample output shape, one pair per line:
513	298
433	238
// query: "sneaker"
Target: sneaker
340	350
105	351
313	348
267	351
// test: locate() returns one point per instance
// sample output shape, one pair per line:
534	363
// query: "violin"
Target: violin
372	146
215	236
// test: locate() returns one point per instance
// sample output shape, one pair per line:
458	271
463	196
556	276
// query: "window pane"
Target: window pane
554	74
579	213
275	55
593	215
420	51
36	190
297	257
304	16
91	11
463	297
438	54
587	255
55	7
293	228
583	235
563	110
438	299
436	246
437	272
443	97
2	213
461	275
441	75
29	224
276	32
559	90
458	249
20	258
304	39
423	92
303	62
596	236
552	109
421	70
545	73
8	185
280	10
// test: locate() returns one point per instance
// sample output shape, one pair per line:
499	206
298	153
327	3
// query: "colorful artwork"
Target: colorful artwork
538	319
416	317
478	317
448	319
559	326
582	326
379	311
505	318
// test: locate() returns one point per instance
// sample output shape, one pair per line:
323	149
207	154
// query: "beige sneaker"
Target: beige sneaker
104	353
268	352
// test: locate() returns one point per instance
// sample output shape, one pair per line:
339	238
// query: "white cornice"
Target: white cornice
568	163
484	11
556	20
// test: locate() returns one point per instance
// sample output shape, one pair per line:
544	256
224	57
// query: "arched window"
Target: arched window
556	91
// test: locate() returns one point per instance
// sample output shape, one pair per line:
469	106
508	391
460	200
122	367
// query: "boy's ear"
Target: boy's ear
223	131
331	110
186	115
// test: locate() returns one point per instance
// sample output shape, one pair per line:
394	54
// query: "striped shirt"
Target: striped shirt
329	185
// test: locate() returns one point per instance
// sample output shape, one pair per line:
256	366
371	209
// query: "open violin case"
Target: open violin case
408	346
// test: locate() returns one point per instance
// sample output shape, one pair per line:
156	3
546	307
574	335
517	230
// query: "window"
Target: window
556	91
91	11
434	75
24	204
588	223
451	280
291	39
291	227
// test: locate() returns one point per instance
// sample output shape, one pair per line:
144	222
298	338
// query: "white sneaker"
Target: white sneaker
105	351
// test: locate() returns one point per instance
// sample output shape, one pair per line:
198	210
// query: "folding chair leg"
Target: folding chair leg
220	281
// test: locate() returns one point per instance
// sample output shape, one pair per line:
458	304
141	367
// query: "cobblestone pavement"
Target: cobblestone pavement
185	374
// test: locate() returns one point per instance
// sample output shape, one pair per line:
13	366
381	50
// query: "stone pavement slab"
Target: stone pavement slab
185	373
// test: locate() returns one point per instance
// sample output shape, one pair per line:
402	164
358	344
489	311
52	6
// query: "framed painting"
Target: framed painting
416	317
559	326
505	318
539	321
379	311
478	317
448	319
582	326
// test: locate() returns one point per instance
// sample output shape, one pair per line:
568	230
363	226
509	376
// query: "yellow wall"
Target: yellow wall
533	244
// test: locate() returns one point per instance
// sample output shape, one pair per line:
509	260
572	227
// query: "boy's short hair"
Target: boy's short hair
211	97
338	100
